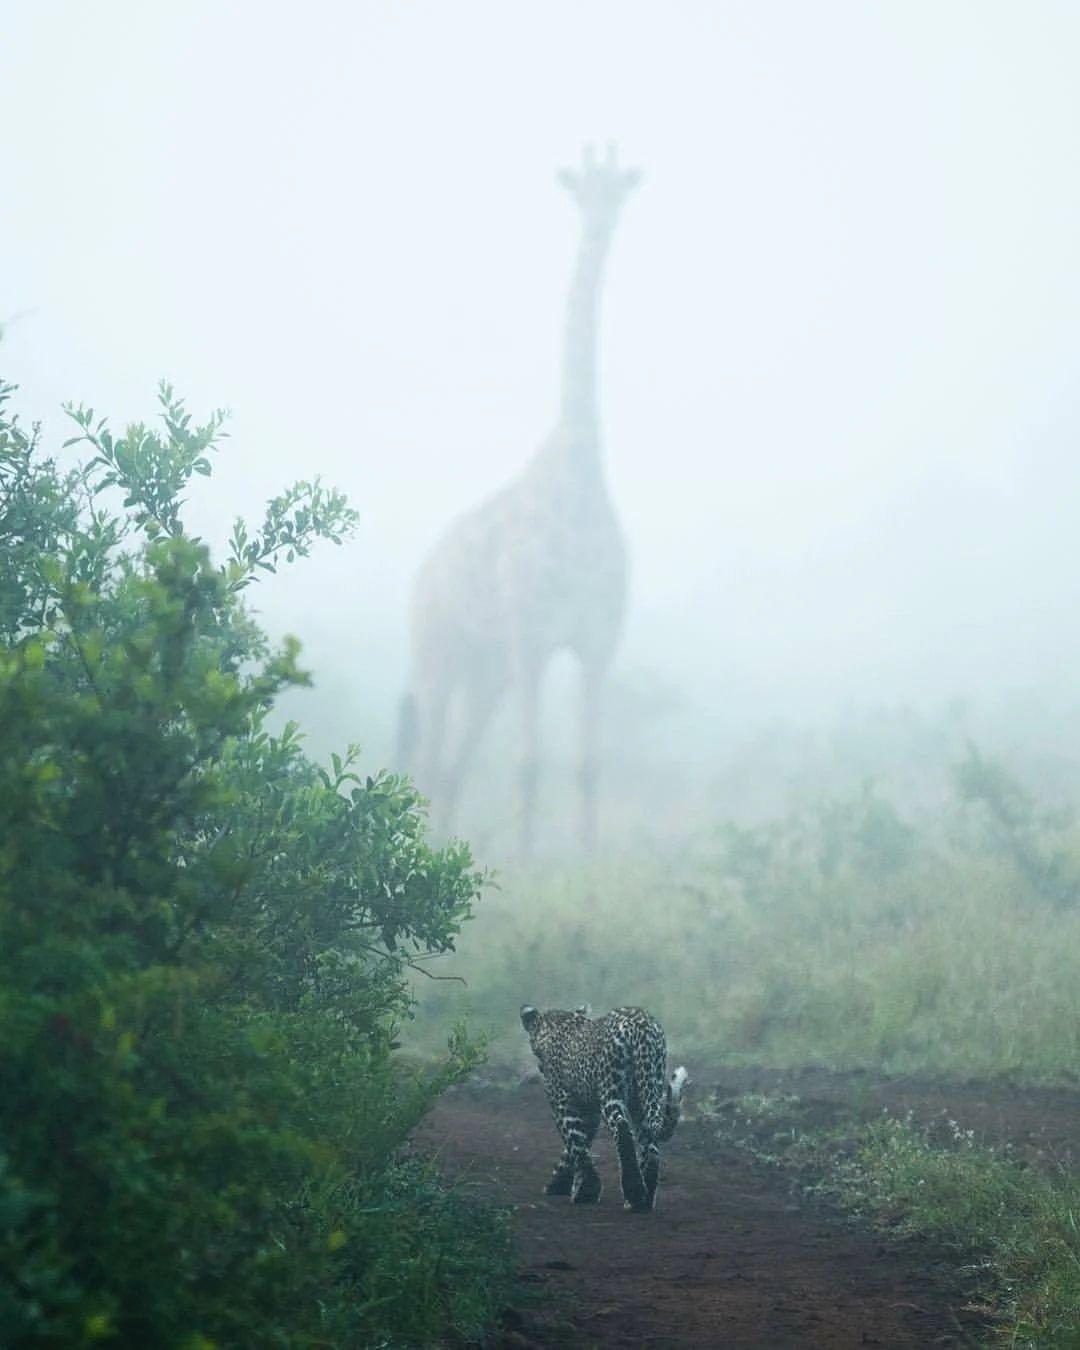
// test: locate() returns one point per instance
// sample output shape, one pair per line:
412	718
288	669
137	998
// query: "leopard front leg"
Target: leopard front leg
587	1183
575	1174
617	1120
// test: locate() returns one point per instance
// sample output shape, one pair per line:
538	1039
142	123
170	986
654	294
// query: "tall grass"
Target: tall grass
850	939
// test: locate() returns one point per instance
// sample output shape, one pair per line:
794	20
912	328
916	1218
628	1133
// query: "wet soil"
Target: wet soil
733	1256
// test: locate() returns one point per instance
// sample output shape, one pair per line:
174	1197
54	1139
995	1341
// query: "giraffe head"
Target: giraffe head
600	188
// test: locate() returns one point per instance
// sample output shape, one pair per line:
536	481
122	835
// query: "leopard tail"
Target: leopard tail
650	1089
672	1112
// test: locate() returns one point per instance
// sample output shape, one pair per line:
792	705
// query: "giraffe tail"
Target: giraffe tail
408	728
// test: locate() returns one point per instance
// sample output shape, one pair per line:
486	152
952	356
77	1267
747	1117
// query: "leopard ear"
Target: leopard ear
529	1016
585	1009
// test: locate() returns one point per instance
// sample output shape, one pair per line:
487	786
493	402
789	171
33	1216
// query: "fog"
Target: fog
839	330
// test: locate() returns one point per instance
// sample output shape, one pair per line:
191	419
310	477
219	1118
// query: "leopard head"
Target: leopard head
546	1029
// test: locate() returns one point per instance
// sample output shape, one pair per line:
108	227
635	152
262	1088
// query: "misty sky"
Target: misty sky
840	329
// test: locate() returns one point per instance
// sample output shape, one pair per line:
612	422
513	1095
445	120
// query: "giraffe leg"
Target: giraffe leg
407	731
589	767
529	770
480	702
431	731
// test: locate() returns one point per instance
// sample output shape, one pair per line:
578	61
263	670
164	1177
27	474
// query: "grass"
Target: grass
1013	1228
850	939
943	966
435	1266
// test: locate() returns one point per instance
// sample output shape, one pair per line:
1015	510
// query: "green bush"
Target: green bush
206	941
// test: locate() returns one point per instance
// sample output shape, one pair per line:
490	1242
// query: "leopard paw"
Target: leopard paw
562	1183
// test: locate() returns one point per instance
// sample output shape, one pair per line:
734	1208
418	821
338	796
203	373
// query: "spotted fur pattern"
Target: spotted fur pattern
610	1069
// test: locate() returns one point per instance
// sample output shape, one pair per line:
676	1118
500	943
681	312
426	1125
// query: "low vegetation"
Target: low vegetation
1009	1229
206	939
847	936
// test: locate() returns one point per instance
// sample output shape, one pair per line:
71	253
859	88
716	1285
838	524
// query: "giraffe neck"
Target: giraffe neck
580	416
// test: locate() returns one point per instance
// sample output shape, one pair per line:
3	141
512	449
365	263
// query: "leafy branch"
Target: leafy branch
294	520
150	469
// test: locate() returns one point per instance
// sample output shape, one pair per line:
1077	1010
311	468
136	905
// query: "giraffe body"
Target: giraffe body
538	568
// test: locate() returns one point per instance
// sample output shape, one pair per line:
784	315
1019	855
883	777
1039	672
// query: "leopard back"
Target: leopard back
611	1069
621	1057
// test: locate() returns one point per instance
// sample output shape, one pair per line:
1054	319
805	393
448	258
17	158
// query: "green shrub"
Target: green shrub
206	940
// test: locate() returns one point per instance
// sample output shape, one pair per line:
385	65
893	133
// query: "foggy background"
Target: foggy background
839	332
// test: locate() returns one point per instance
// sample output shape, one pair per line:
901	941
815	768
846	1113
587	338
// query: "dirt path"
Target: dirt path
731	1258
1041	1124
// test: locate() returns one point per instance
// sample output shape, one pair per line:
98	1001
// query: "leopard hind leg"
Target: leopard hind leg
617	1119
656	1102
650	1165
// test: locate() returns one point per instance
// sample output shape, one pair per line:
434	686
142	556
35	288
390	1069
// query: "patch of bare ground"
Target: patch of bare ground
732	1256
1041	1124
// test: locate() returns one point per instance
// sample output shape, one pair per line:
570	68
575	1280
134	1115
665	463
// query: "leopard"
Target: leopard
611	1069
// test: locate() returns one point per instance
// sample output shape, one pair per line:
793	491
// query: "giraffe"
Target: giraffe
538	568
